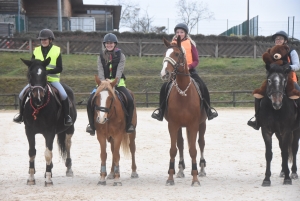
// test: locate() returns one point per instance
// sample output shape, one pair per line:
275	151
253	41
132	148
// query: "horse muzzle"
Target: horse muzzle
276	99
101	120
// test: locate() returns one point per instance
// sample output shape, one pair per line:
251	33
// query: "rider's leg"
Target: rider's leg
65	103
205	94
254	124
90	112
130	108
162	103
19	118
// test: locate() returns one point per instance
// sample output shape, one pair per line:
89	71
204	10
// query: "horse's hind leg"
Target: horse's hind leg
180	146
134	174
32	154
295	146
68	143
201	142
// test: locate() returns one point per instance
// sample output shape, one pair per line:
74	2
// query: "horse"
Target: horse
43	114
183	110
110	123
278	114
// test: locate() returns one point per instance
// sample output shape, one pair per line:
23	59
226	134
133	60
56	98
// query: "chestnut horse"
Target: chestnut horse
183	109
110	123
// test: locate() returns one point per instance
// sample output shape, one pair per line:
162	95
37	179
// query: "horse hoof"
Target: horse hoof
281	174
69	173
31	182
47	184
195	183
102	183
170	183
266	183
110	176
117	183
294	176
180	175
202	174
134	175
287	182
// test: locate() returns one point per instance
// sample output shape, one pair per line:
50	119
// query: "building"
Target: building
34	15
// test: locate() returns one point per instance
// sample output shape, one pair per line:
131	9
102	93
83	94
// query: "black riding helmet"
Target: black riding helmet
46	34
181	26
280	33
110	38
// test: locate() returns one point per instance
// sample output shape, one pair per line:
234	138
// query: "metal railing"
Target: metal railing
150	99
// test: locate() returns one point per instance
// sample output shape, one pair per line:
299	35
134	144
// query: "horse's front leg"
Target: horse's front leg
48	157
32	154
285	156
201	143
116	159
268	155
180	146
68	143
192	138
103	156
111	175
173	130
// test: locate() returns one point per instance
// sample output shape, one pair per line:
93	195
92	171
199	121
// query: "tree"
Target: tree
192	12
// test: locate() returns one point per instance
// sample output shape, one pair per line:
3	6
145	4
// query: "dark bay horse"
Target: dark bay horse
110	123
278	114
183	109
42	114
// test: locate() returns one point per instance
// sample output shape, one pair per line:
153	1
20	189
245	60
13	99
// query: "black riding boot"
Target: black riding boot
254	124
209	113
19	119
129	127
68	120
90	112
162	104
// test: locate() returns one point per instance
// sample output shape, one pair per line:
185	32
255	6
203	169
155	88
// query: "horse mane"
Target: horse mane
106	85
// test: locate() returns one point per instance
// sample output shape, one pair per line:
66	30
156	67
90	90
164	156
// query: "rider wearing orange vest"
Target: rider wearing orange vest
47	49
192	58
279	38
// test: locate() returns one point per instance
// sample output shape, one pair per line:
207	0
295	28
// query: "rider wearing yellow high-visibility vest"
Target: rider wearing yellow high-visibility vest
47	49
111	64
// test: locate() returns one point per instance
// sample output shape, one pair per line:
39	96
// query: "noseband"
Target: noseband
105	109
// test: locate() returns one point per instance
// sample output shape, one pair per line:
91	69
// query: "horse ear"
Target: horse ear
167	43
47	61
179	41
114	82
98	81
26	62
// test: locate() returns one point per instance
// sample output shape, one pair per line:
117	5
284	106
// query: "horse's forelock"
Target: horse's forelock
105	85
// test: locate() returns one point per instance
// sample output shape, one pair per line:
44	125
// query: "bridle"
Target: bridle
105	109
37	110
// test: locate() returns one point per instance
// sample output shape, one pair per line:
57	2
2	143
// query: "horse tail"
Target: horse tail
290	150
125	144
61	138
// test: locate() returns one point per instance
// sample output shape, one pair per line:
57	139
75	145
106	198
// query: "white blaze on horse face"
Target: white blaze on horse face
102	116
39	72
165	64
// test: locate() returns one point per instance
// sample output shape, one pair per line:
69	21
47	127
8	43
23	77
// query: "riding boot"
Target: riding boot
90	128
67	120
129	126
162	103
254	124
210	114
19	119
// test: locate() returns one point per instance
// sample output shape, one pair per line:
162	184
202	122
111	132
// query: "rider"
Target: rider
189	45
279	38
111	64
47	49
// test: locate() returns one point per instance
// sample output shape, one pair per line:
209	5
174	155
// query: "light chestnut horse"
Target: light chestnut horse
183	109
110	124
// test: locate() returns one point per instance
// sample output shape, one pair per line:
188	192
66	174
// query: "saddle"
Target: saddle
122	97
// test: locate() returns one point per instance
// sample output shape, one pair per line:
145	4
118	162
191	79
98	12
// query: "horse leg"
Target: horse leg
103	156
116	159
295	147
201	142
285	157
180	146
68	143
32	154
111	174
281	174
48	157
268	155
134	174
173	130
192	138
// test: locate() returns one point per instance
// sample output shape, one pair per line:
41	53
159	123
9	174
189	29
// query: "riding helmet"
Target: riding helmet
110	38
181	26
280	33
46	34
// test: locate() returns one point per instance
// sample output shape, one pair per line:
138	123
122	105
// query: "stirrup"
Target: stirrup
90	130
253	124
130	129
68	121
158	115
212	114
18	119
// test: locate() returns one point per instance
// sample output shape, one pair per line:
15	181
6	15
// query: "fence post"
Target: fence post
254	53
217	50
140	50
30	46
147	100
68	47
233	98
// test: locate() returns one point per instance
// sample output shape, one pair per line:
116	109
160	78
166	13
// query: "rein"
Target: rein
37	110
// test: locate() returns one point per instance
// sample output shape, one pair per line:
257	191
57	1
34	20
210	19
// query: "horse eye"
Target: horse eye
176	54
269	81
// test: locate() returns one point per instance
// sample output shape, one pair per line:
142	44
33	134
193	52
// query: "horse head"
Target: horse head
277	80
174	62
104	99
37	78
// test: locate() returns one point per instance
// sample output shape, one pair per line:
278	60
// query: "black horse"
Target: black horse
43	114
278	114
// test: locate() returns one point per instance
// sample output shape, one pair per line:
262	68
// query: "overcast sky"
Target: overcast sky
272	14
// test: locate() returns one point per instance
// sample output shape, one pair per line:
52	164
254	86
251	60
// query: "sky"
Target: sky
273	15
